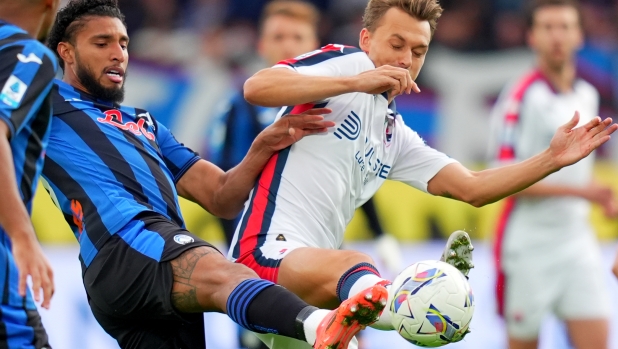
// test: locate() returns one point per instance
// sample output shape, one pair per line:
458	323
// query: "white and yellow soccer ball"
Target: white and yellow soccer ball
432	304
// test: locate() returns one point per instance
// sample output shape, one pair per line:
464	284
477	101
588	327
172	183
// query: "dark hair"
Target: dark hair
72	17
423	10
535	5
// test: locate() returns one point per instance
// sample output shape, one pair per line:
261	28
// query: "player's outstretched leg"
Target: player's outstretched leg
458	252
342	324
205	281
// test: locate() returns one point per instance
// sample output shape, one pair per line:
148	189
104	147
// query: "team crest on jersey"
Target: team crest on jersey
390	125
183	239
114	117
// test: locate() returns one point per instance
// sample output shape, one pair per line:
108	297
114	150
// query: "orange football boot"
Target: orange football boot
340	325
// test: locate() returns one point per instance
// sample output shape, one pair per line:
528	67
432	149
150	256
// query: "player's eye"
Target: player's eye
418	54
100	44
397	47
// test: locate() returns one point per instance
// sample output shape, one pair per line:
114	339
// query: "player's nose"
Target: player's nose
405	61
117	53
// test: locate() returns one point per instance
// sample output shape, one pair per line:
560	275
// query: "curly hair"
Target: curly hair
73	17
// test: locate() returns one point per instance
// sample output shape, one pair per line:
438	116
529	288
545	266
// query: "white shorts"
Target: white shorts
571	287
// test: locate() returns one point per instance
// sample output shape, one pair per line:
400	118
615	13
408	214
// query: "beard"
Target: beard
92	85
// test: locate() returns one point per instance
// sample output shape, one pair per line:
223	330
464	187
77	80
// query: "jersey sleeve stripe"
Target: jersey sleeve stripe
319	56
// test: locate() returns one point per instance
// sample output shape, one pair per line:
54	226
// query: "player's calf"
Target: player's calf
324	277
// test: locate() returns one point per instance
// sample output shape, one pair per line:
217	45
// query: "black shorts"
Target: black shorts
129	292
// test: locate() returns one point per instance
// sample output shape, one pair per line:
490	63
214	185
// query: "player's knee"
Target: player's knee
353	258
220	272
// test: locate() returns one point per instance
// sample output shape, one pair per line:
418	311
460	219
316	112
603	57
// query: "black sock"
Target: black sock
279	311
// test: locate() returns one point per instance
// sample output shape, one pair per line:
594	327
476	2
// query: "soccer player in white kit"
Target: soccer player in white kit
295	217
547	255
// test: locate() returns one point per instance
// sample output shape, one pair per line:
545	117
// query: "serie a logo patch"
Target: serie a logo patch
13	91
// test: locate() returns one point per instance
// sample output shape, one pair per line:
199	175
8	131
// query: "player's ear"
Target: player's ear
66	51
364	40
530	38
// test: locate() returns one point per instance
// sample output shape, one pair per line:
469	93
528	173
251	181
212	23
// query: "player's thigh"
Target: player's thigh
530	293
313	273
589	333
585	300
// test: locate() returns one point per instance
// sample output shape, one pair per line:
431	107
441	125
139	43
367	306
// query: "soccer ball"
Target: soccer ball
432	304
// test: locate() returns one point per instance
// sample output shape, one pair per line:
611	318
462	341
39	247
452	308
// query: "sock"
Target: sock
263	307
356	279
311	324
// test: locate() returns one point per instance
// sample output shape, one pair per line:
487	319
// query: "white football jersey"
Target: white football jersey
543	221
308	193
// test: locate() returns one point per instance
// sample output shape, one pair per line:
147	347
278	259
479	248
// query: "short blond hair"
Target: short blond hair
296	9
423	10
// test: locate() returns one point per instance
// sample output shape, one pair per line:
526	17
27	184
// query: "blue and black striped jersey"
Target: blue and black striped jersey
106	164
27	70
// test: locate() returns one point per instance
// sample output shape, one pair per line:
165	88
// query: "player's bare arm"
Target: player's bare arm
276	87
594	192
615	266
15	220
224	193
568	146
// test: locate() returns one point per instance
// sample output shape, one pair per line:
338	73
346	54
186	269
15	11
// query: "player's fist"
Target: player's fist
571	144
293	127
395	80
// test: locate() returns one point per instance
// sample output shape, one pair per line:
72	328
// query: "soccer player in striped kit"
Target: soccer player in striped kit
116	173
27	69
546	252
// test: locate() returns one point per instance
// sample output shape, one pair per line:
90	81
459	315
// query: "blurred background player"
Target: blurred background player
287	29
546	250
27	69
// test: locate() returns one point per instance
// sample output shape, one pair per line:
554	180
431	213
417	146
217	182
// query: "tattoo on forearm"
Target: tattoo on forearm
182	268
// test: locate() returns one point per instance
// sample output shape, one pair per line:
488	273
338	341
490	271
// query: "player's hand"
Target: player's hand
571	144
615	266
604	196
293	127
30	260
395	80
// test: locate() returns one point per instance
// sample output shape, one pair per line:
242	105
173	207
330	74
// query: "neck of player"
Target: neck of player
561	76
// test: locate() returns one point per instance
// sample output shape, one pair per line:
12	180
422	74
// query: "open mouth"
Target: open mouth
115	74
